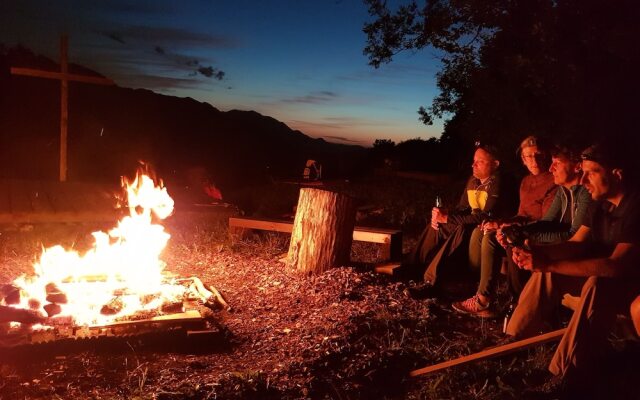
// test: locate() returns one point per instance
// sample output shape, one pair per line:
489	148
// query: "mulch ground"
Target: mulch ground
347	333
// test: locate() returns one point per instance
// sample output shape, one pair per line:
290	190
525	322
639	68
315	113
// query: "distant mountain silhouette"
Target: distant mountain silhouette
111	128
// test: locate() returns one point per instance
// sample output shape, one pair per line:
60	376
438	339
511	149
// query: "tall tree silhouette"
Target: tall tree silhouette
559	68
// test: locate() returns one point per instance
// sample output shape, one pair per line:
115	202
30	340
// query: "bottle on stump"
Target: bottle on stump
322	231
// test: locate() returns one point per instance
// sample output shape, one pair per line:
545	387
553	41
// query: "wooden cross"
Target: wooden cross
64	77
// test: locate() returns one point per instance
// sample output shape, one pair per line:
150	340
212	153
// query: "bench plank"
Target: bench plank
391	239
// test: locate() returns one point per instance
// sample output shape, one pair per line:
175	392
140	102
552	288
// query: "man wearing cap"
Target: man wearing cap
484	197
600	263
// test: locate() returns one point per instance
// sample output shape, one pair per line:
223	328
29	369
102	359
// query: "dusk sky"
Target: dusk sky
299	61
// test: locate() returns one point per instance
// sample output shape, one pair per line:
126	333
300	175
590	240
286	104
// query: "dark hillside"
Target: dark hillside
111	128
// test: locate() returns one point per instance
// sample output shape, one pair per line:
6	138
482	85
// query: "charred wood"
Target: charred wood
52	309
114	306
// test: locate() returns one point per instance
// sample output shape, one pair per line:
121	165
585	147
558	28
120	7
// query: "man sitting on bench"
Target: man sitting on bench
485	196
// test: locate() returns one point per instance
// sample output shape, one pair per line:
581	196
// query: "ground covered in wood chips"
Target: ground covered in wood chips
346	334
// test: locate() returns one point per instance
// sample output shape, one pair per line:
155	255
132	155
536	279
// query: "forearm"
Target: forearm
601	267
466	219
621	263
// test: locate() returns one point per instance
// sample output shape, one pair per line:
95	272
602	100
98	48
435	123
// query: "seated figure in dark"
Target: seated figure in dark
600	263
561	221
537	191
485	196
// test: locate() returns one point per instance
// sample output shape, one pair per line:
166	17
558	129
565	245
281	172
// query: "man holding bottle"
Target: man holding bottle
484	197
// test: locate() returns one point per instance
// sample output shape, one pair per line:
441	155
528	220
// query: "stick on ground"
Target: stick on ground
492	352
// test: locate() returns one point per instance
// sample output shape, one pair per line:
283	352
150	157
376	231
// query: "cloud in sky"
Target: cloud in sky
342	123
343	139
163	57
312	98
170	36
211	72
164	83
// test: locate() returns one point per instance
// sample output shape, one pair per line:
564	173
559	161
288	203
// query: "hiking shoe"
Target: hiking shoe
472	306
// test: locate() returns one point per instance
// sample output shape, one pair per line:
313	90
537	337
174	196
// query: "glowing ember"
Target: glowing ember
122	268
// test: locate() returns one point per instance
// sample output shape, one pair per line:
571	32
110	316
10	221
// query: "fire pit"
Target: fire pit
118	287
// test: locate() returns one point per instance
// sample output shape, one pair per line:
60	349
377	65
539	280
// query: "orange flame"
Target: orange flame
124	261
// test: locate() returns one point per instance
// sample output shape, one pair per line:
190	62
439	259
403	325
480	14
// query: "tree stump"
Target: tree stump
322	231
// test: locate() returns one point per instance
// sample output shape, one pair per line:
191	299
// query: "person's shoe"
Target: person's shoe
473	306
422	291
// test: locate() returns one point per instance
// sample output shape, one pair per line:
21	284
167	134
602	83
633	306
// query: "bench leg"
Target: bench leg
392	251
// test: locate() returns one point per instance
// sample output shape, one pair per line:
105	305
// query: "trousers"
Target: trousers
435	247
485	255
584	342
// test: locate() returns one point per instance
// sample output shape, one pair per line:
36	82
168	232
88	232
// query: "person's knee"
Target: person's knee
490	244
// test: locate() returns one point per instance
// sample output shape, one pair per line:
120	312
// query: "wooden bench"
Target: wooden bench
391	239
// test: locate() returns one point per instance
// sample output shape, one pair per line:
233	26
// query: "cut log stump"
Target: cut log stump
322	231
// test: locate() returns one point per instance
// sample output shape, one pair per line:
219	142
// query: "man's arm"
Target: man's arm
538	257
623	262
563	258
571	249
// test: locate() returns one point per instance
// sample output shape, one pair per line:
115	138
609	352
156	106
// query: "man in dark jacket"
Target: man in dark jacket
483	197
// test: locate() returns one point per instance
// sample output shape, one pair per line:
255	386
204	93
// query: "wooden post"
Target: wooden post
322	231
64	108
64	77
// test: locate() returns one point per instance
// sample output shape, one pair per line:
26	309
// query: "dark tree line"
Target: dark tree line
562	69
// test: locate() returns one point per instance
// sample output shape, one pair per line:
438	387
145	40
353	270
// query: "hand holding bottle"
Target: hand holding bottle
438	214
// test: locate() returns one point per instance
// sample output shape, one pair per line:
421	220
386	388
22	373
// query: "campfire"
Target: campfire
117	286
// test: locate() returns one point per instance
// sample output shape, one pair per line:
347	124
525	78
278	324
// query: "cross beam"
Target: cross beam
64	77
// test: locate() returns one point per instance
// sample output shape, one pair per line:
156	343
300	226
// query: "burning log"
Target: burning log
114	306
144	299
52	309
34	304
172	307
10	294
322	231
58	298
